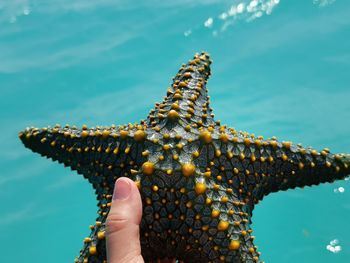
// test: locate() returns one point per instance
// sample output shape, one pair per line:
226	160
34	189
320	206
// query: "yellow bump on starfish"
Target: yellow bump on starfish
124	134
177	96
224	199
200	188
205	228
182	84
166	147
101	235
84	134
301	165
195	154
92	250
338	157
257	143
223	225
127	150
138	184
205	136
134	172
314	152
284	157
256	259
236	223
207	174
241	156
87	240
216	187
234	245
215	213
287	145
273	144
179	146
208	201
175	106
173	115
148	168
116	150
324	153
188	169
105	133
139	136
251	250
224	137
252	157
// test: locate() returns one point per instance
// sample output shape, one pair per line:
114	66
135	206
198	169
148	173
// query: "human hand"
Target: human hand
123	224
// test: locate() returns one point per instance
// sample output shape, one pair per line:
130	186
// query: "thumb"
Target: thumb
122	225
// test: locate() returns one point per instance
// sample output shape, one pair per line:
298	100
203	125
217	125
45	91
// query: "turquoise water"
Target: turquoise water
280	68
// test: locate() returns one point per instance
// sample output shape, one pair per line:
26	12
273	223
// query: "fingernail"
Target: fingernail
122	189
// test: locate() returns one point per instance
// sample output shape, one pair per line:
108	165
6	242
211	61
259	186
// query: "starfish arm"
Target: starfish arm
94	248
257	167
289	166
254	167
187	99
229	226
90	152
101	155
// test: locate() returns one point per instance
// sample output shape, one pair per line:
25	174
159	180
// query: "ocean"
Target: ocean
280	68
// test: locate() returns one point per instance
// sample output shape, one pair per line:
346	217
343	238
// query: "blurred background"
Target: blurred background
280	68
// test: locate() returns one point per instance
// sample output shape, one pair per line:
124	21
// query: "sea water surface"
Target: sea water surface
280	68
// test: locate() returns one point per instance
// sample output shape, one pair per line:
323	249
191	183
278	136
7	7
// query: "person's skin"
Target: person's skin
123	224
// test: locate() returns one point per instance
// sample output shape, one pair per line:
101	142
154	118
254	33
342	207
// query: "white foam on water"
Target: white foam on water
187	33
209	22
247	11
323	3
334	246
339	190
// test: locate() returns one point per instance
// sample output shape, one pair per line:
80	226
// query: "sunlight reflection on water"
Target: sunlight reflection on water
334	246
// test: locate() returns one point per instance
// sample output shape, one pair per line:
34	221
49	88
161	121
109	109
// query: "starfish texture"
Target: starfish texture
199	181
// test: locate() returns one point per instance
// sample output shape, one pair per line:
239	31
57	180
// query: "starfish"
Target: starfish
199	180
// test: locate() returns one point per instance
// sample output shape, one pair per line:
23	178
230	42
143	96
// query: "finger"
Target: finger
122	225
